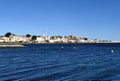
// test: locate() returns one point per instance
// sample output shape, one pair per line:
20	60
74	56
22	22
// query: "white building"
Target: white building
40	39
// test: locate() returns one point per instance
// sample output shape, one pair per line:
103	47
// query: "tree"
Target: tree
28	35
34	38
85	38
8	34
13	34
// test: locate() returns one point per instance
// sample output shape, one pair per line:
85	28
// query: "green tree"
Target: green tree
8	34
28	35
13	34
85	38
34	38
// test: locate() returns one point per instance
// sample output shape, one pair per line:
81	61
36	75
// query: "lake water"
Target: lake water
37	62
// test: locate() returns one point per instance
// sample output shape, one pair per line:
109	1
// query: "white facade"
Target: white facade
1	40
40	39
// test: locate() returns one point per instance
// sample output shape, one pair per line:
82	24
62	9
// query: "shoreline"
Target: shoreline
61	43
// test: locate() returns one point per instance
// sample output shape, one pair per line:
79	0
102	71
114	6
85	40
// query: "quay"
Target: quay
1	46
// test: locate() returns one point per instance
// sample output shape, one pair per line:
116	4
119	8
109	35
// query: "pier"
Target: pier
1	46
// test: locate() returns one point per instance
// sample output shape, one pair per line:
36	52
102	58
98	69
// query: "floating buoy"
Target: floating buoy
62	46
112	51
74	47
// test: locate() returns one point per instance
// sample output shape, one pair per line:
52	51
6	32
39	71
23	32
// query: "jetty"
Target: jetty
12	46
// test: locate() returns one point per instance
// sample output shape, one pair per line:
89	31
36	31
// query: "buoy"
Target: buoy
62	47
112	51
74	47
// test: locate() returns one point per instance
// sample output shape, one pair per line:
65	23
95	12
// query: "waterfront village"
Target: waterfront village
10	38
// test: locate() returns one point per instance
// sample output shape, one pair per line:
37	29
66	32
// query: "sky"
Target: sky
94	19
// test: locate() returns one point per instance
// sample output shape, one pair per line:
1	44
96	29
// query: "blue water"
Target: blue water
60	62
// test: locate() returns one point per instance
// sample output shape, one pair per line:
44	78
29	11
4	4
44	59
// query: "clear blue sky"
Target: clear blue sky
86	18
